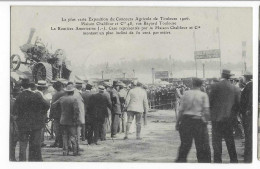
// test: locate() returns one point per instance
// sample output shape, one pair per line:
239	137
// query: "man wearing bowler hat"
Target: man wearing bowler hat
30	109
224	102
86	95
246	111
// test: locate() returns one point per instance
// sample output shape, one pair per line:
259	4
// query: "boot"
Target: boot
138	131
127	131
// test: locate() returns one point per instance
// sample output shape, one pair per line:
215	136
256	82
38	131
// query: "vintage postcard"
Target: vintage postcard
131	84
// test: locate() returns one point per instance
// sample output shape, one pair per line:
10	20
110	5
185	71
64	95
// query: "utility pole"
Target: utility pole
153	75
218	32
203	66
244	54
195	45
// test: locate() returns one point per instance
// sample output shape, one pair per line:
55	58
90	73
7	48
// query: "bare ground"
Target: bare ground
160	143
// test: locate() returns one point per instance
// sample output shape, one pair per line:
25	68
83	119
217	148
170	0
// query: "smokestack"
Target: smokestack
31	35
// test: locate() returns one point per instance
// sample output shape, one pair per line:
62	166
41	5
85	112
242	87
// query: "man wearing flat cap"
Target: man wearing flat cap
30	109
224	102
246	111
116	109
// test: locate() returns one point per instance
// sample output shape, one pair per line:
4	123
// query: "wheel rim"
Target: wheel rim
40	73
15	62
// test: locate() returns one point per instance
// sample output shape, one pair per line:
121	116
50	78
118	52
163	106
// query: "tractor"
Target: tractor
43	64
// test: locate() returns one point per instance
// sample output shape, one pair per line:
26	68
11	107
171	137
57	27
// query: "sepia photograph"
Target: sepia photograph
131	84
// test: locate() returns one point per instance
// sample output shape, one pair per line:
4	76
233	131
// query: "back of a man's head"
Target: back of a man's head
196	82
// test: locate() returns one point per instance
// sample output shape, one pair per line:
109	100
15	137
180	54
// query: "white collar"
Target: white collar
248	82
27	90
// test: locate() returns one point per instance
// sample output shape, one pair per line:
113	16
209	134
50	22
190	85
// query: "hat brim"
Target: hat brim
71	90
228	74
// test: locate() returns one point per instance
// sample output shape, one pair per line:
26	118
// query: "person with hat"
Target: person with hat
99	105
192	123
122	96
55	114
224	103
41	88
246	105
178	96
86	95
13	125
69	120
30	109
136	104
108	91
33	86
78	86
116	109
78	94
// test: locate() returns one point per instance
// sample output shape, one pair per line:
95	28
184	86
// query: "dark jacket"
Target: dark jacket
116	105
100	103
30	109
246	99
224	101
55	112
13	124
69	110
86	97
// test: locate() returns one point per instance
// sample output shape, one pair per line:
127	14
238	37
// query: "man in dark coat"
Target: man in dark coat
100	103
13	125
86	95
116	109
29	109
55	114
69	120
246	111
42	91
224	101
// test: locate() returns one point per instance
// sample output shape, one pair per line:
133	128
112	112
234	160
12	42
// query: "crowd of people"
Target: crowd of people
163	97
78	111
222	106
82	111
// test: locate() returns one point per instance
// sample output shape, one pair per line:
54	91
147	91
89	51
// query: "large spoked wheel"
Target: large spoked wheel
39	72
42	71
15	62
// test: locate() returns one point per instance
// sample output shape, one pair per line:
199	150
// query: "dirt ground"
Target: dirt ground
160	143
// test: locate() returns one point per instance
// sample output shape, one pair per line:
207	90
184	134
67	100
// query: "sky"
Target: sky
235	25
